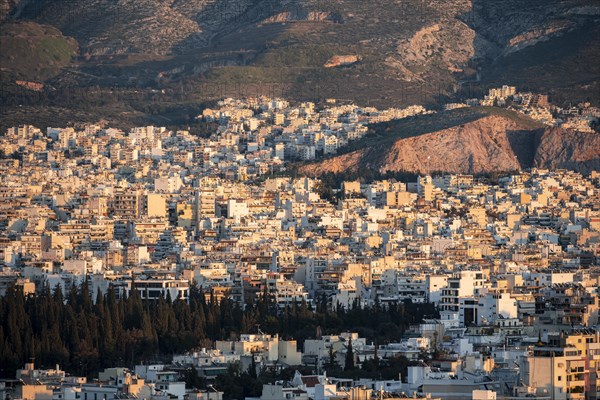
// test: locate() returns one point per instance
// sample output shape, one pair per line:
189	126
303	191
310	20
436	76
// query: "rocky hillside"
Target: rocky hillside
436	44
473	141
559	148
403	52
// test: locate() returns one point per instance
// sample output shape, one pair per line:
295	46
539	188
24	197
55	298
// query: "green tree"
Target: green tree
349	364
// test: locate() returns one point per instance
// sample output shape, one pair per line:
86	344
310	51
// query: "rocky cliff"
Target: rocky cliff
559	148
491	143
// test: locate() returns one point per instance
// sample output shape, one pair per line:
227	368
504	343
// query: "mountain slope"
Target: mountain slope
32	51
115	27
190	51
466	141
410	51
559	148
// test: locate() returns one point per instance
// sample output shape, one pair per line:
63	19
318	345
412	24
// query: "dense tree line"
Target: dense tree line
85	336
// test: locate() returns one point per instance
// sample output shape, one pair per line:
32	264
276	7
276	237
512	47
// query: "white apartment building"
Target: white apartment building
459	296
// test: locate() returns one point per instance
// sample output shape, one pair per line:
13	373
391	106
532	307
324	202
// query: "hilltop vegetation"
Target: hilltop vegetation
34	52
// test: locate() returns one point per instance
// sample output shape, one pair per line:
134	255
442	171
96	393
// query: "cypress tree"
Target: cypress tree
349	365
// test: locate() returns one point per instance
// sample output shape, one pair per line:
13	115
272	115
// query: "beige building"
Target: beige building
126	205
270	347
564	368
156	205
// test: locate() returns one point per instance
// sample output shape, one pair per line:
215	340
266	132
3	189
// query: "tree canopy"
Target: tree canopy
84	336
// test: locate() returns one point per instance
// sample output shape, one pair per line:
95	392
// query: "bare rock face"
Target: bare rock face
560	148
336	165
484	145
341	61
35	86
493	143
299	14
439	42
539	33
481	146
